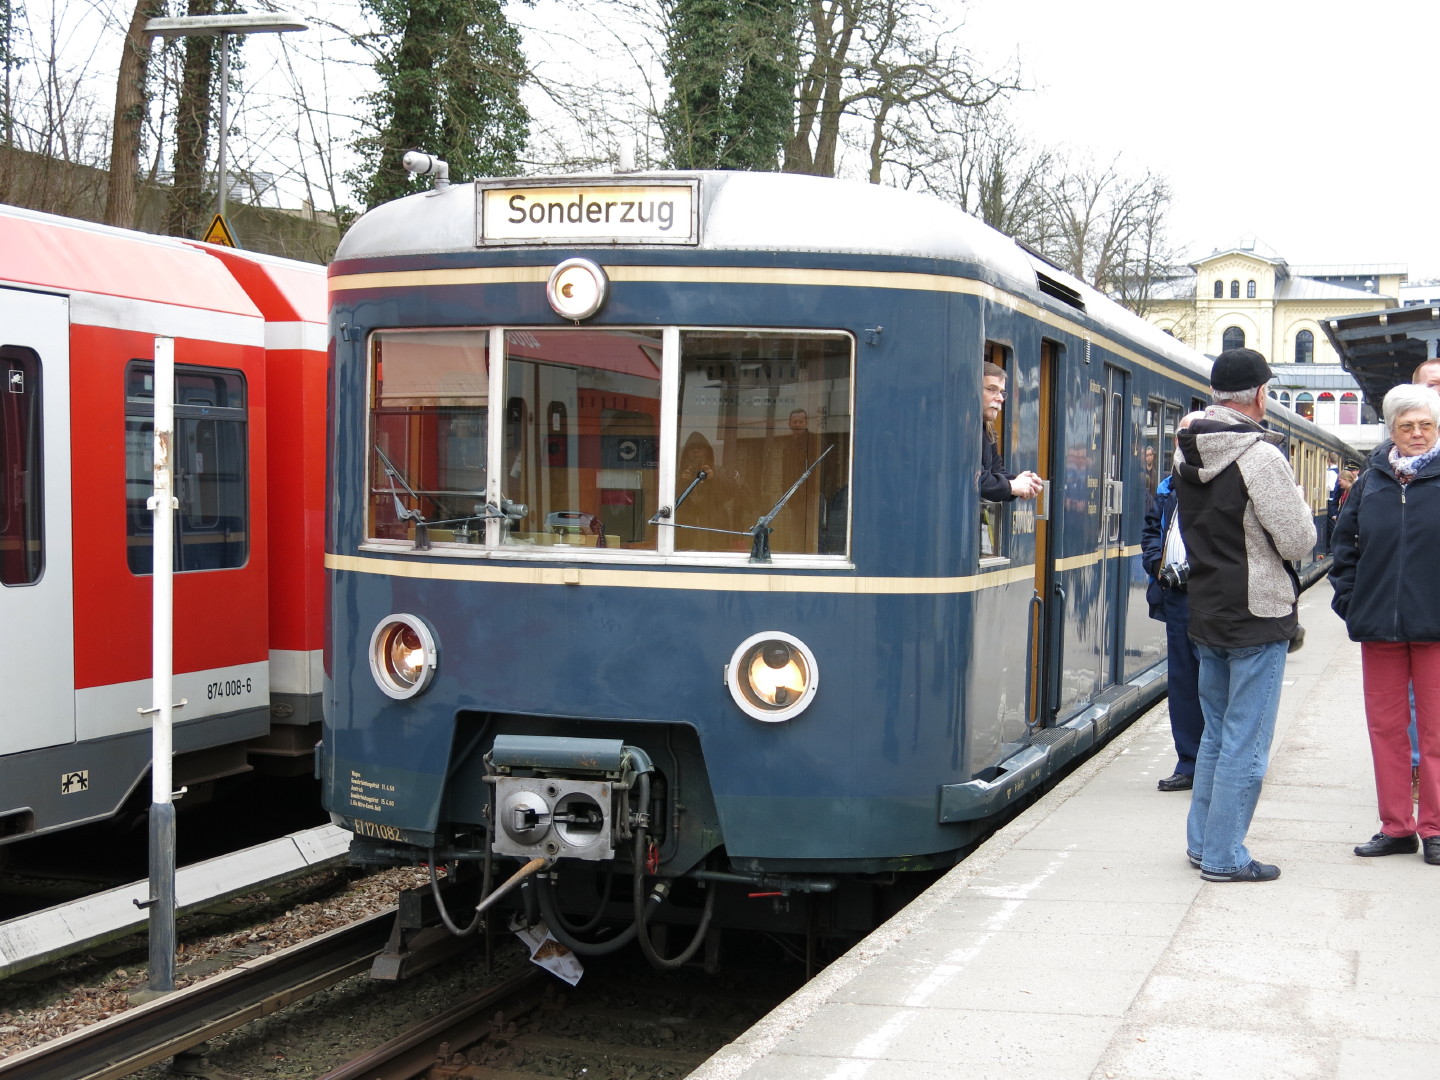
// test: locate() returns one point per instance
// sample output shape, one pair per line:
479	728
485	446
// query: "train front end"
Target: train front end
596	593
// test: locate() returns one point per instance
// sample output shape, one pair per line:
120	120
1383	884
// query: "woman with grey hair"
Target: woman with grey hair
1389	597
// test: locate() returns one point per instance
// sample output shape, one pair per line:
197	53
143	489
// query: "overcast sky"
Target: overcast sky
1303	123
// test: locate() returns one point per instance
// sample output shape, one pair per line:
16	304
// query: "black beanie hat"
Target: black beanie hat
1239	369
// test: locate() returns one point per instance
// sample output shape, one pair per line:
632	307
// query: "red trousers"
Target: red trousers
1390	669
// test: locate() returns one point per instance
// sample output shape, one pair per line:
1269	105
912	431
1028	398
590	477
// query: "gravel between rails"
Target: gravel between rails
300	1042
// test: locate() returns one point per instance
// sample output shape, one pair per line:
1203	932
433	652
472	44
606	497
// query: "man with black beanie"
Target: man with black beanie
1242	518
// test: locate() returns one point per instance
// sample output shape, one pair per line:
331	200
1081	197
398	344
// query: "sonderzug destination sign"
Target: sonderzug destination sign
612	213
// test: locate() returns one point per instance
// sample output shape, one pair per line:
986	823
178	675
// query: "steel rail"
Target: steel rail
411	1053
125	1043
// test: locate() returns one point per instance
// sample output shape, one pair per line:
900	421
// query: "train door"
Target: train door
1113	581
36	587
1047	628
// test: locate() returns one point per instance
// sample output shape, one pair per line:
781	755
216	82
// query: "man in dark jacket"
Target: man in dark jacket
996	485
1242	518
1167	595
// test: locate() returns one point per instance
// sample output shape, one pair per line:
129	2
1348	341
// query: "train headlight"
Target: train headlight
772	676
576	288
402	655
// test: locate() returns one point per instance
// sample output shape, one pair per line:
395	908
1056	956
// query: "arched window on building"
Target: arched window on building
1234	290
1305	405
1250	290
1325	409
1219	289
1349	408
1233	338
1285	398
1304	347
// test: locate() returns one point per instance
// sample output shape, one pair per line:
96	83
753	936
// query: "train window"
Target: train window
582	434
764	414
22	536
211	467
429	413
1152	454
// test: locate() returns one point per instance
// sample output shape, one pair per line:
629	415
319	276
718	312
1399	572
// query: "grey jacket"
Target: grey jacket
1242	518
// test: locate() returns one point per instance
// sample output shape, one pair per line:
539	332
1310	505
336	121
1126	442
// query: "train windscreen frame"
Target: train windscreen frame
654	441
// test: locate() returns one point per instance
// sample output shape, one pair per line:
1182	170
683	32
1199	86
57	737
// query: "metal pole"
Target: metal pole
224	117
162	810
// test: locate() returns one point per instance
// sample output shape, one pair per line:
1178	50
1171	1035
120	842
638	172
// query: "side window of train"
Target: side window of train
211	467
22	506
994	520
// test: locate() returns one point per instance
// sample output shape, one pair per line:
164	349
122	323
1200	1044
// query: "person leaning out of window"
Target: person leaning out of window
1389	596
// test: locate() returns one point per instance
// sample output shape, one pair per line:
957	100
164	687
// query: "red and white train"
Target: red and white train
80	308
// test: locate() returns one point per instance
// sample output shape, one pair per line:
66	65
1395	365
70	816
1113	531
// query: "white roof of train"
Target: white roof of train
755	211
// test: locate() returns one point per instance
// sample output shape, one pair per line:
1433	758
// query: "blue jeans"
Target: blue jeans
1240	696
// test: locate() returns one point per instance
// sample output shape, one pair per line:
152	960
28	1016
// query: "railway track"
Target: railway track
156	1030
624	1021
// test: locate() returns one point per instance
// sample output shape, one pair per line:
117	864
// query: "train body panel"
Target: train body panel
564	543
74	743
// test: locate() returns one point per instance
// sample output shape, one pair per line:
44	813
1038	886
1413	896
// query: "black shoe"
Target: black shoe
1177	782
1380	844
1432	850
1256	871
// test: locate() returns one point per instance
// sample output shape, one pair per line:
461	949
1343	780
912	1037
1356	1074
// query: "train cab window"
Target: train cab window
22	536
575	460
211	469
582	434
429	432
763	433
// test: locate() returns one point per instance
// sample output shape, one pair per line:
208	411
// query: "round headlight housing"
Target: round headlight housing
402	656
576	288
772	676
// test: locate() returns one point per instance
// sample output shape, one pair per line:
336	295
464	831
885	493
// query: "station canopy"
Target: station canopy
1383	348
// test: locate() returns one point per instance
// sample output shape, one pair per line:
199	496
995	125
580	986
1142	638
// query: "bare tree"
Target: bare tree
1110	229
130	101
889	65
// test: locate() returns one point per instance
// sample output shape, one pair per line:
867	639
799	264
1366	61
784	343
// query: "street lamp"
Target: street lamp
238	22
161	902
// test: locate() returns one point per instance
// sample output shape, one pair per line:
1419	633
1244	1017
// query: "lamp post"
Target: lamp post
161	902
224	25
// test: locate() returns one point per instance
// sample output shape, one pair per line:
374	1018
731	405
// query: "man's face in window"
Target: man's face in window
994	392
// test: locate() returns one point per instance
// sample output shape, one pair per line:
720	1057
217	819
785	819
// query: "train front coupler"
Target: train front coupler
565	798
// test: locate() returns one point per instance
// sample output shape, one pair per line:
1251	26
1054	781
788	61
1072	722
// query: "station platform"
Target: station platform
1078	942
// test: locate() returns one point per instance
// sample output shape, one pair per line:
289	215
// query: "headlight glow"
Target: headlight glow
772	676
402	655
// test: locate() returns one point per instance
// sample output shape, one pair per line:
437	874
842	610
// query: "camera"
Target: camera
1175	575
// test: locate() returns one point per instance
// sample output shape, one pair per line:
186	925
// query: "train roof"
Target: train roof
779	212
786	212
49	251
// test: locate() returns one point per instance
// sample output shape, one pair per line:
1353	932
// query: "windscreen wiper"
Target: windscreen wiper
422	533
760	531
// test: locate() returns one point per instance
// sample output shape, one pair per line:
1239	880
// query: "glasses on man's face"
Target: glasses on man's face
995	391
1425	426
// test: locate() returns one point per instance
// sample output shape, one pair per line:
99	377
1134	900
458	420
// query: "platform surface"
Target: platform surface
1079	942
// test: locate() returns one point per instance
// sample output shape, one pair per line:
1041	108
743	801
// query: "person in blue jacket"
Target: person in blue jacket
1389	596
1166	595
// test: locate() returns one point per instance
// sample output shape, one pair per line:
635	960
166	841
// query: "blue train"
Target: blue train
655	550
